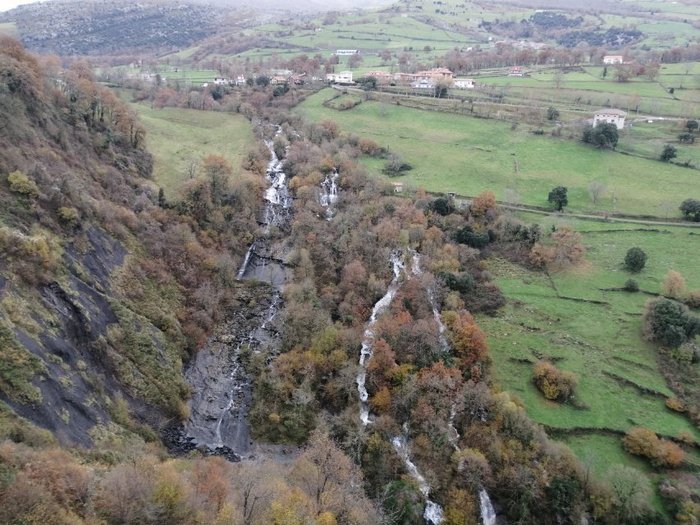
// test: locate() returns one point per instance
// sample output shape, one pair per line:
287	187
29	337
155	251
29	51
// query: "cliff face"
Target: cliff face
104	291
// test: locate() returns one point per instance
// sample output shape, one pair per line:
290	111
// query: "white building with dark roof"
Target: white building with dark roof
610	116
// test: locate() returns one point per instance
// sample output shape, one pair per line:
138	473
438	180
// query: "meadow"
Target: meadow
466	155
177	137
620	385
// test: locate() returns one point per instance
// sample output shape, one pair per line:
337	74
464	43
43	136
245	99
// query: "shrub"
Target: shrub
669	152
673	284
675	404
631	285
669	322
442	206
471	238
20	183
635	259
555	384
604	135
558	197
69	216
643	442
482	204
690	208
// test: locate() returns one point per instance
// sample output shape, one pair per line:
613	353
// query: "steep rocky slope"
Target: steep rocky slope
104	289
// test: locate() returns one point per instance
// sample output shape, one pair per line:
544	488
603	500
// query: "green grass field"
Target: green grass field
176	137
601	343
467	155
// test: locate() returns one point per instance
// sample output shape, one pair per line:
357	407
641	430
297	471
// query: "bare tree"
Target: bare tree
596	190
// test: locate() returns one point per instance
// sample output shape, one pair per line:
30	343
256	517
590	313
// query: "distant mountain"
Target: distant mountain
112	26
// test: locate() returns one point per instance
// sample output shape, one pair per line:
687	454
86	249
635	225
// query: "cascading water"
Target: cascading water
416	270
222	389
329	193
278	201
368	336
433	512
488	514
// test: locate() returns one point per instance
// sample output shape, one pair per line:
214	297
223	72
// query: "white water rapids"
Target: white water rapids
488	514
329	193
433	511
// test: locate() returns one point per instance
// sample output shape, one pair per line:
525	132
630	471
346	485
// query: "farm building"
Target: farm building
613	59
423	83
516	71
610	116
344	77
222	81
464	83
438	73
346	52
383	77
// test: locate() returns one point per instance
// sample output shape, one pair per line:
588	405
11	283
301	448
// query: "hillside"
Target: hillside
111	27
94	324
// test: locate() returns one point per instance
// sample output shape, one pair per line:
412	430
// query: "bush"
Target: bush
669	152
631	285
604	135
20	183
555	384
635	260
558	197
442	206
471	238
669	322
68	216
462	282
690	208
643	442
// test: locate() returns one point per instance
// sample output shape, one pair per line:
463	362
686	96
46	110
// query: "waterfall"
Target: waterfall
417	271
278	202
329	193
368	336
488	514
221	386
433	511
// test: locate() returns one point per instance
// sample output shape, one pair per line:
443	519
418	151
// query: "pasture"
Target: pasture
179	137
620	385
466	155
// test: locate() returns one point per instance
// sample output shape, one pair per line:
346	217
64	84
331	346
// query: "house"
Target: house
516	71
345	52
610	116
384	78
240	80
222	81
344	77
398	187
464	83
613	59
423	83
437	73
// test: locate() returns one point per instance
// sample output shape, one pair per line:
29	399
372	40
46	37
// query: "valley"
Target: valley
411	263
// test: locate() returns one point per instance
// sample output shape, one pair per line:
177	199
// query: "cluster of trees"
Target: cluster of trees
321	486
604	135
669	322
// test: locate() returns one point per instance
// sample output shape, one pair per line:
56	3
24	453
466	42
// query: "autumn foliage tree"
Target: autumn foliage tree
555	384
468	342
643	442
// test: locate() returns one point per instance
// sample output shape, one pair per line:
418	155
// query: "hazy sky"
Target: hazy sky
9	4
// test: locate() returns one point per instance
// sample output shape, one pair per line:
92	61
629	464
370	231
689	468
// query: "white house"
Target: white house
423	83
613	59
345	52
240	80
222	81
610	116
464	83
344	77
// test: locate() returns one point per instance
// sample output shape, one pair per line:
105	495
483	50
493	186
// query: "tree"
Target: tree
632	492
604	135
686	138
555	384
262	81
691	209
669	152
669	322
692	125
442	206
558	197
596	190
635	260
354	61
673	284
643	442
552	113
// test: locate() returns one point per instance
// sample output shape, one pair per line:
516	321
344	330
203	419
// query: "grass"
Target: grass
468	155
177	137
600	343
